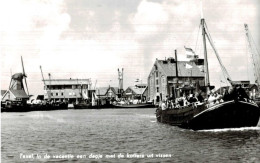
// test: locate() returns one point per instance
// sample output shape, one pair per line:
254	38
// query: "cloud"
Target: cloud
30	29
91	39
150	18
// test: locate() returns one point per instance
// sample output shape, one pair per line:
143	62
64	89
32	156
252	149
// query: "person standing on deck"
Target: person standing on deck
234	93
163	105
242	95
162	111
200	97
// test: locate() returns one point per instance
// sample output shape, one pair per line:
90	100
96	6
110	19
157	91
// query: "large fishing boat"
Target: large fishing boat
86	102
233	112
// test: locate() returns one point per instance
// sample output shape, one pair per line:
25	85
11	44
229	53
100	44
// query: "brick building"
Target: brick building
174	78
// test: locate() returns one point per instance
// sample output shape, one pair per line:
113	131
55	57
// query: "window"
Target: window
57	94
156	73
62	93
163	84
68	87
163	79
51	94
157	89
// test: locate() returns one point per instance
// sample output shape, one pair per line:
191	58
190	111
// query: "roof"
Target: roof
101	91
252	85
240	82
19	93
185	68
67	81
137	90
115	89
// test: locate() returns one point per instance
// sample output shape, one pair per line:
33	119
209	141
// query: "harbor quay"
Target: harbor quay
169	78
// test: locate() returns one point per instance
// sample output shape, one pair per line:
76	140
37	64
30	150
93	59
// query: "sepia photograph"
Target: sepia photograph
131	81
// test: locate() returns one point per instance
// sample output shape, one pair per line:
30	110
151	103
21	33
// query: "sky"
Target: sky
93	38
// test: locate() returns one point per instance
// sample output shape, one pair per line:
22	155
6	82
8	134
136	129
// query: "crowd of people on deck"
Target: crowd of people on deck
236	93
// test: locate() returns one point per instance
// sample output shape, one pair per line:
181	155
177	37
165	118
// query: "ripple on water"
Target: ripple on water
123	131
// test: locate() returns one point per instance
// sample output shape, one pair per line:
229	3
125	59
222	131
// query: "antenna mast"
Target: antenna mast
43	77
120	78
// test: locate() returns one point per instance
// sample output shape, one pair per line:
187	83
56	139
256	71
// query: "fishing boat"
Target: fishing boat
236	111
88	103
84	102
129	106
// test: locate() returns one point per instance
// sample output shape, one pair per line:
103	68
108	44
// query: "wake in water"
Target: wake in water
233	129
40	115
146	115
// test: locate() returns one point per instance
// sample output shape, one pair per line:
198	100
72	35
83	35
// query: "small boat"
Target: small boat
86	104
232	113
141	105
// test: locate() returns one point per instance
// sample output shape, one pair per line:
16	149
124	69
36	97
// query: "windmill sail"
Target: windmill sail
24	75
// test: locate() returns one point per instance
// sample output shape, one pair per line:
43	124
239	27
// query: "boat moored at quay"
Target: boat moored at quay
129	106
211	111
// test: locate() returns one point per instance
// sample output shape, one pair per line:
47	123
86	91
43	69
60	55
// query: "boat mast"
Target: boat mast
207	83
50	84
43	78
46	87
254	57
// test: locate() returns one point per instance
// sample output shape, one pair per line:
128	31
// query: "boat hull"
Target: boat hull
86	106
134	106
229	114
33	107
257	101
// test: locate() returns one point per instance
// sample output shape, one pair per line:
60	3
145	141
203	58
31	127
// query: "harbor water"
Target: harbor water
118	135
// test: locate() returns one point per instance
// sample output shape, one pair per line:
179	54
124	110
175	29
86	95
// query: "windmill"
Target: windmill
16	90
